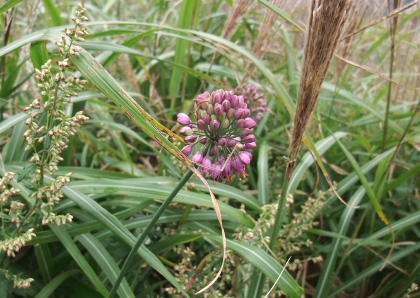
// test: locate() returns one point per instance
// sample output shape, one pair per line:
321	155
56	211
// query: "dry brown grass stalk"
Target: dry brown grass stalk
233	21
326	22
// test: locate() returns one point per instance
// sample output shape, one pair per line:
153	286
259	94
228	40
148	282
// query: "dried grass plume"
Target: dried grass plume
326	22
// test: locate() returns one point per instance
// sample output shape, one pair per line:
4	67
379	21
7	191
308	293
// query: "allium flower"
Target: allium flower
221	135
254	99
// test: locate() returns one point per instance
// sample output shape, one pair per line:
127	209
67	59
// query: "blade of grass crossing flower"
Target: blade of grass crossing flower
49	289
324	283
267	264
99	77
263	176
73	250
105	261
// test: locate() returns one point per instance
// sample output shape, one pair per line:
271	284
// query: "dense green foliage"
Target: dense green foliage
163	54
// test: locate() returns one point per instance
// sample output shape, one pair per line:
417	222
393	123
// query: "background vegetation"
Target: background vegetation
165	53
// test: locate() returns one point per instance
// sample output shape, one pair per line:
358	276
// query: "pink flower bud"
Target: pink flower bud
231	143
214	125
226	105
207	119
249	139
218	110
214	151
190	139
210	109
244	158
206	162
187	150
239	113
222	142
198	157
201	124
231	114
251	145
217	98
250	123
234	101
240	123
246	132
183	119
186	131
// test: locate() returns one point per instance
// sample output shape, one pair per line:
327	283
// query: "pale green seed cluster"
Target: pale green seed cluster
69	43
18	282
12	245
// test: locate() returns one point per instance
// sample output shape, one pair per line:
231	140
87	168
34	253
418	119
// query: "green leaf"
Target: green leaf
105	261
49	289
9	4
27	170
325	281
282	14
267	264
74	251
54	13
263	176
39	54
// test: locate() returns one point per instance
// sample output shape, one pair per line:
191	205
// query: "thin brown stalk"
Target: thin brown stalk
269	20
391	15
326	22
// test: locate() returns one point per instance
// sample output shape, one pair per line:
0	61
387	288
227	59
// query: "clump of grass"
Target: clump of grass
326	22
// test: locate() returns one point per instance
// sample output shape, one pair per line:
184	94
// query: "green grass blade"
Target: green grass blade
325	281
406	252
15	148
39	54
9	4
74	251
364	182
263	176
172	241
119	230
157	191
185	21
307	160
267	264
282	14
99	77
45	261
54	17
49	289
105	261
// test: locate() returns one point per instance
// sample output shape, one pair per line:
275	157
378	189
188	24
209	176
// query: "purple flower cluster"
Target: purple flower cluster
254	98
222	135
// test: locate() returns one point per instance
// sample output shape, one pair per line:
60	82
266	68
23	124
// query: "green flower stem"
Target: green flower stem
146	231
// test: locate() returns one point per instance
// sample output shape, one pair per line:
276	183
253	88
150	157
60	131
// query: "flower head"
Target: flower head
221	135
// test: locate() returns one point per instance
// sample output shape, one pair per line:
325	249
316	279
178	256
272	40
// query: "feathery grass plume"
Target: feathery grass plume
326	21
232	21
269	20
